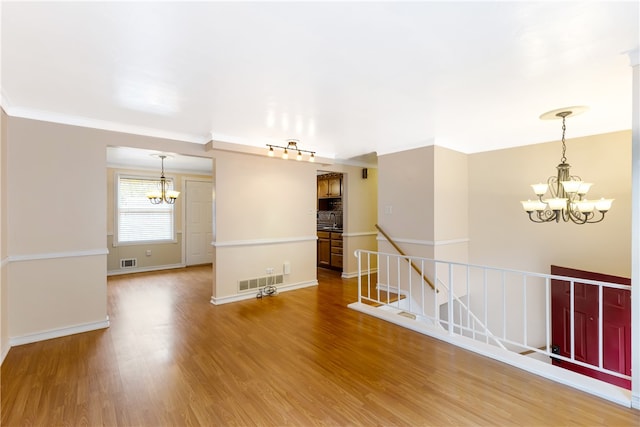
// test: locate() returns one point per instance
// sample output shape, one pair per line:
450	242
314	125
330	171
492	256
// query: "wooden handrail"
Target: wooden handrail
400	251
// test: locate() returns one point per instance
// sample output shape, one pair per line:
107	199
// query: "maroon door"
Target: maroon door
616	324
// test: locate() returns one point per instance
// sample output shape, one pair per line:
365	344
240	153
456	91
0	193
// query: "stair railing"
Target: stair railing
401	252
505	294
454	296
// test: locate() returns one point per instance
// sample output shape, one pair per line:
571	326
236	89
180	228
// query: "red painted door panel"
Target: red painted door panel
616	320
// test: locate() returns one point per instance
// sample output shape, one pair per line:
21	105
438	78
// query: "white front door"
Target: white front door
199	221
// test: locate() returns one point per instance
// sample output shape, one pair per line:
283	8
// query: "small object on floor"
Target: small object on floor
267	291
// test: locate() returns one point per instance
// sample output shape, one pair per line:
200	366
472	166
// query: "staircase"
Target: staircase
394	297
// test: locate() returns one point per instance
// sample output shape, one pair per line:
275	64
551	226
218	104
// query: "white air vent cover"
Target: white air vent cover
260	282
128	262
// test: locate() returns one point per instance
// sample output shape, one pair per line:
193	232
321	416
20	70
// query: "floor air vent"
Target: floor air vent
128	262
260	282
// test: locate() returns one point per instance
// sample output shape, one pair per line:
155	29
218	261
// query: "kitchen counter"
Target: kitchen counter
334	229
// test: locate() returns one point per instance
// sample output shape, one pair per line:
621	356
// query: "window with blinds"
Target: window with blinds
137	219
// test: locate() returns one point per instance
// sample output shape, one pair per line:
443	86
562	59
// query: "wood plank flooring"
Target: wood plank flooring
300	358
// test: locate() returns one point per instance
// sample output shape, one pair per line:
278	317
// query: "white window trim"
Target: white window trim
116	198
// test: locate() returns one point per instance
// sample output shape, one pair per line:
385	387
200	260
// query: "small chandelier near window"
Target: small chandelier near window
292	145
568	193
163	194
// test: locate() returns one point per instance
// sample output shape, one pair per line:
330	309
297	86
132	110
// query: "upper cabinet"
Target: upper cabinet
330	185
323	187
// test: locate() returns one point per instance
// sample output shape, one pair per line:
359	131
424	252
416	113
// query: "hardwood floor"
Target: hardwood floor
300	358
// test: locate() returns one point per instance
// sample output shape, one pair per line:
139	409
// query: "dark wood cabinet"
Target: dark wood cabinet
336	250
324	249
335	186
323	187
330	250
330	185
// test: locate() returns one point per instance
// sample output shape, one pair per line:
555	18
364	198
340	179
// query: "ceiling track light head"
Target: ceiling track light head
292	144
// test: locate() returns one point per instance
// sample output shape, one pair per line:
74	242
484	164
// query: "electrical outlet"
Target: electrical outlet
148	252
270	270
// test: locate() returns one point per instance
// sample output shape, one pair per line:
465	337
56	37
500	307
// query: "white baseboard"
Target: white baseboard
60	332
4	353
362	273
635	402
252	295
144	269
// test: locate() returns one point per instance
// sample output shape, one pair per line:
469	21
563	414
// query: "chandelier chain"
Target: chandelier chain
564	145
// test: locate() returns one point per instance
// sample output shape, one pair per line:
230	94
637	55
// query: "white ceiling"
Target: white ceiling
346	79
139	159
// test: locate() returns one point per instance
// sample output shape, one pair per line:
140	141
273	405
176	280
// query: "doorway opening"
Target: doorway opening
330	219
192	176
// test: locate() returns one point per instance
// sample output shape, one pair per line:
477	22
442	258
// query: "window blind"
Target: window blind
138	220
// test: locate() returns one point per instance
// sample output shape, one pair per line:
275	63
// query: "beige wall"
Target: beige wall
501	234
162	254
406	194
438	196
361	216
264	216
53	178
56	216
4	300
450	195
53	294
423	202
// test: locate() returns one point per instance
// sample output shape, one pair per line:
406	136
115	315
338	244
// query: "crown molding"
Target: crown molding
87	122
